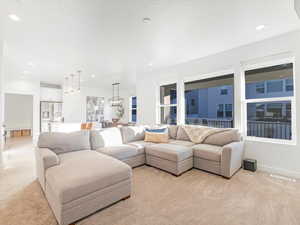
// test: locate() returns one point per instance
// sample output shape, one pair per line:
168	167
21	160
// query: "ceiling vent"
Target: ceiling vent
297	7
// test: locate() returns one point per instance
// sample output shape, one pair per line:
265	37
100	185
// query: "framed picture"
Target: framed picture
94	109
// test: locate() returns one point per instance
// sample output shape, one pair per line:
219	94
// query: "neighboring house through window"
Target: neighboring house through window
209	102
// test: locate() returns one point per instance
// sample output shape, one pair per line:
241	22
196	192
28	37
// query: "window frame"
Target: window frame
159	105
292	99
205	76
131	108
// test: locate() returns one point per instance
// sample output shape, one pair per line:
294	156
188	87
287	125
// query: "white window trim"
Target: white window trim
292	99
159	106
216	74
130	109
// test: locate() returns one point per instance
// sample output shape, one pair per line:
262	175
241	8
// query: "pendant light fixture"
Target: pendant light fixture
116	100
72	83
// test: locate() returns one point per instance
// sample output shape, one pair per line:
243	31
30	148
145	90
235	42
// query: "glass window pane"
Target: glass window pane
133	115
272	78
220	112
207	100
228	110
275	86
269	120
168	94
133	102
168	115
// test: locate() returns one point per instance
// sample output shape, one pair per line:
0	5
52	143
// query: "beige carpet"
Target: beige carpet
195	198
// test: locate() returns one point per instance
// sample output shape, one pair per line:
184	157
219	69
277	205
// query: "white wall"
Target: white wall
18	111
15	85
1	70
280	158
51	94
74	106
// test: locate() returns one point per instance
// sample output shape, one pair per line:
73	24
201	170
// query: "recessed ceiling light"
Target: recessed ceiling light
150	64
260	27
14	17
31	64
93	76
147	20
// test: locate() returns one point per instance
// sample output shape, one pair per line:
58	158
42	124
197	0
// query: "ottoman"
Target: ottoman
173	158
84	182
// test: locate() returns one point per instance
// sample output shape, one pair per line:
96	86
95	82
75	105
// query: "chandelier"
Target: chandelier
72	83
116	100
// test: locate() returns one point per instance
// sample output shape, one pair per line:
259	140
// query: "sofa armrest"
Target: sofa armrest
45	158
48	158
231	158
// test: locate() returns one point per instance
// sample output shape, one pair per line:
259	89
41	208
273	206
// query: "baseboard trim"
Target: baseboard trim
280	171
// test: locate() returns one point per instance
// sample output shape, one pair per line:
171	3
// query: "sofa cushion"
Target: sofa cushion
170	151
156	130
156	137
182	135
208	152
179	142
140	144
172	131
133	133
105	138
60	142
121	152
223	138
96	171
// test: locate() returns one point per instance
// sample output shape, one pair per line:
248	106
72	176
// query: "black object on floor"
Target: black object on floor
250	164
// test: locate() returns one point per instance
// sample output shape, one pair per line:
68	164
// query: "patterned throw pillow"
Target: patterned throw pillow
157	135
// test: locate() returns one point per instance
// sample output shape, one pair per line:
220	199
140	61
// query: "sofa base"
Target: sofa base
135	161
207	165
79	208
176	168
211	166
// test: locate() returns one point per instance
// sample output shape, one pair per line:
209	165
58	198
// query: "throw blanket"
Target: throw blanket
198	134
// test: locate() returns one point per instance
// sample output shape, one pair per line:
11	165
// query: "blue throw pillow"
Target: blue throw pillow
160	130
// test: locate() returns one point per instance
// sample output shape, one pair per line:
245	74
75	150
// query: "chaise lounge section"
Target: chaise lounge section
76	180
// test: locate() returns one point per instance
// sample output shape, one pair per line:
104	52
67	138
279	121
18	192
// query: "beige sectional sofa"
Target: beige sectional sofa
83	172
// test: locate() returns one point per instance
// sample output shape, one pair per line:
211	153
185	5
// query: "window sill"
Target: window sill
270	140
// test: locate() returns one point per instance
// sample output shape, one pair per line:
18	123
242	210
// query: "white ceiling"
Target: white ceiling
109	39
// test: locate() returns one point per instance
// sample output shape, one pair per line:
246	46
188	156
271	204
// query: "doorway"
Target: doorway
18	119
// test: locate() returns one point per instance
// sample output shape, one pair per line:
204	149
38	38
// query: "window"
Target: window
133	109
224	91
220	112
228	110
260	88
275	86
269	113
213	100
168	104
